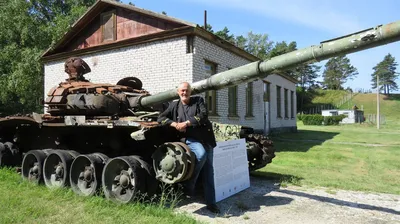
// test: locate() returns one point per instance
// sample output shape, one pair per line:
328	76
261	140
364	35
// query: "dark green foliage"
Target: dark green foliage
312	119
333	120
337	71
28	28
386	70
317	119
300	117
224	34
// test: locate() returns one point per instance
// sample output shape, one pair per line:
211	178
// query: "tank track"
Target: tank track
260	151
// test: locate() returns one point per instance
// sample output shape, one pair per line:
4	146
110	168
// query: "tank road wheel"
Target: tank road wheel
9	154
152	184
56	168
85	173
32	165
170	162
123	179
260	151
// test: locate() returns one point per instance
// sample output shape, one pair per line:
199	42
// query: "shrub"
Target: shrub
312	119
333	120
300	117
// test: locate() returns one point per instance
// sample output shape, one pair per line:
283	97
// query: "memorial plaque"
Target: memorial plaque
231	170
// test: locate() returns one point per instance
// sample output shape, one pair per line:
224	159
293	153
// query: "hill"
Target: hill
389	106
328	99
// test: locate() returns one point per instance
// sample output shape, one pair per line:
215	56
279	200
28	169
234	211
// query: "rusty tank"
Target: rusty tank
97	136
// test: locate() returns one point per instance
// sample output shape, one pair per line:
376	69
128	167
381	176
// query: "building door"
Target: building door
266	99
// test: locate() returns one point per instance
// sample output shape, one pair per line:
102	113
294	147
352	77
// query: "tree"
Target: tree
337	71
240	41
386	70
28	28
258	45
224	34
282	48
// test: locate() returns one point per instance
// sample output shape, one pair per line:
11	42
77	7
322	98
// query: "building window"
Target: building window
232	101
293	104
286	102
278	102
189	44
108	26
249	99
266	96
211	96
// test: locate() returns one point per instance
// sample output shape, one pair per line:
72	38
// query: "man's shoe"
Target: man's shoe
213	208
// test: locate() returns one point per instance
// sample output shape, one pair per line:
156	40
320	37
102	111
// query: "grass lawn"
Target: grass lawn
353	157
24	202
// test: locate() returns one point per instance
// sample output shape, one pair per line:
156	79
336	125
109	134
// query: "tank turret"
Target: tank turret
104	136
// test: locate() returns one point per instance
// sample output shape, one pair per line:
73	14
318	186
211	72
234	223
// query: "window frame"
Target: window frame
249	100
286	102
232	101
211	93
267	91
102	24
278	101
293	104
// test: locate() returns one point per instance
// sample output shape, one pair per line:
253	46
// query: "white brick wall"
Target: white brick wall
160	65
204	50
275	122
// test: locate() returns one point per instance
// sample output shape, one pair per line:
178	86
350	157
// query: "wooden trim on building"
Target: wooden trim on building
123	43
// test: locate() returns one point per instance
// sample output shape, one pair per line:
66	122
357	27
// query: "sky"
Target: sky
308	22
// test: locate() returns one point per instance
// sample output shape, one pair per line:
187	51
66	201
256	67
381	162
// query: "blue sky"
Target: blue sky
307	22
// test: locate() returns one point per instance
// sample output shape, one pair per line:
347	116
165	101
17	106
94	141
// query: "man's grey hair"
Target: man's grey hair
188	84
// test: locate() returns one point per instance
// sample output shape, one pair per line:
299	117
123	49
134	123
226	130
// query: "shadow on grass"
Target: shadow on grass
282	179
301	141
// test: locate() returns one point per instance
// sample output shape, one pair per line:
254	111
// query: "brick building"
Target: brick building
119	40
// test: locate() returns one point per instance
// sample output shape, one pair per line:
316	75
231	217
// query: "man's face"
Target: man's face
184	91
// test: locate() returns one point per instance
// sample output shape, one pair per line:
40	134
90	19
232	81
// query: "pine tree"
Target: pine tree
337	71
386	70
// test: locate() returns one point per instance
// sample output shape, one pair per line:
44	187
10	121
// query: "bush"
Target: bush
333	120
300	117
312	119
317	119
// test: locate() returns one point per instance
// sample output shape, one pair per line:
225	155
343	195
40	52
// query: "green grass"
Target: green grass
24	202
329	96
352	157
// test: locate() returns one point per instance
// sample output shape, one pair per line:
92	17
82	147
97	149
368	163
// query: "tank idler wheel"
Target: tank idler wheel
170	163
85	173
56	168
123	179
32	165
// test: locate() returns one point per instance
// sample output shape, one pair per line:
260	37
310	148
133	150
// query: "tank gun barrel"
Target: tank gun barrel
362	40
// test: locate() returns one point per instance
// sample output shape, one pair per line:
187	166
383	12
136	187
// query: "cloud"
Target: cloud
322	15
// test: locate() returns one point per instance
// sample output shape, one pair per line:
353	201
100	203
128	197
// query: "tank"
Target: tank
104	137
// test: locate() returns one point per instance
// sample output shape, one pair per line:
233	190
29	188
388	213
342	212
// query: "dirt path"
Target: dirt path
266	202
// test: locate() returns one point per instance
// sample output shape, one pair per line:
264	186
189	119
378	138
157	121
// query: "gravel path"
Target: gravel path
267	202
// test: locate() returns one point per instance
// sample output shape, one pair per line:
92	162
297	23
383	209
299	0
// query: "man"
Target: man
189	116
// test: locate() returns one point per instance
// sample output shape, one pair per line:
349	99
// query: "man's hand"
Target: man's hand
180	126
